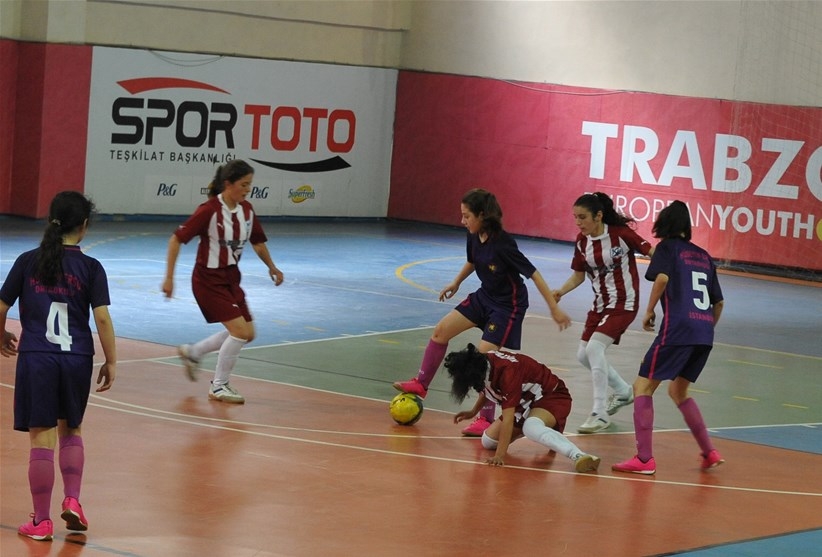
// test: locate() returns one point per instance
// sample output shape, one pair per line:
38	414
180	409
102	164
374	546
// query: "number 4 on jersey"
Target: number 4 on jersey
57	327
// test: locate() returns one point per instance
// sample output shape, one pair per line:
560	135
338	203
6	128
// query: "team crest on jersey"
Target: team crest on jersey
492	268
492	327
617	252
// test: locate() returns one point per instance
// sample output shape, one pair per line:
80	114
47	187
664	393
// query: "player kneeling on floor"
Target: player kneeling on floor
535	402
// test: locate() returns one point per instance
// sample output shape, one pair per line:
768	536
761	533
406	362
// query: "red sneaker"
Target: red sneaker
712	460
477	427
413	386
42	532
636	466
73	515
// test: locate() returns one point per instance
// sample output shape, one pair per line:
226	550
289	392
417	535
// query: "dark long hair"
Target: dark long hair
674	221
231	171
596	202
484	204
68	211
468	369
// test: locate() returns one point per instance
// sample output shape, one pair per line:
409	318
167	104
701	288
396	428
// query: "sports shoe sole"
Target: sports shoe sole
587	463
73	521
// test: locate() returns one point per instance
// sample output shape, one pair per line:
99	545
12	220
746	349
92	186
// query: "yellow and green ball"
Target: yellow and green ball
406	408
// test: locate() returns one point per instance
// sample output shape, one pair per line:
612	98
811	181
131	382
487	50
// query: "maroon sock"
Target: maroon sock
41	481
431	360
693	417
72	460
644	426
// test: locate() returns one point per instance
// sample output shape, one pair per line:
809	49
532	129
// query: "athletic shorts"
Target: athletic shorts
558	403
501	325
50	387
610	322
218	294
668	362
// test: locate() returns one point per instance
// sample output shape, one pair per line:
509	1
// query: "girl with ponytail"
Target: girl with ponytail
497	307
604	252
59	288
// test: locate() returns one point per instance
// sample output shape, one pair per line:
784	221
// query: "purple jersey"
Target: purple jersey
692	290
500	267
56	318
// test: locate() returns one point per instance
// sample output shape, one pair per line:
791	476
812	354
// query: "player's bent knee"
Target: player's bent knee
488	442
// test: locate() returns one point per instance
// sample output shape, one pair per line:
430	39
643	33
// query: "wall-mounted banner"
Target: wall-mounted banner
751	174
317	135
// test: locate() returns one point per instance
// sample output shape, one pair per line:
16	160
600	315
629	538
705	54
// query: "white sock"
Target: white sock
209	344
227	358
595	351
617	383
536	430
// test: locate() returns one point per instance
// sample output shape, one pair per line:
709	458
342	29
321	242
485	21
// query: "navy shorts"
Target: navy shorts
218	294
663	363
50	387
501	325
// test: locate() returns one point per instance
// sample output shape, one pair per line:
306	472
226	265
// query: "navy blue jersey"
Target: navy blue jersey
692	290
500	267
56	318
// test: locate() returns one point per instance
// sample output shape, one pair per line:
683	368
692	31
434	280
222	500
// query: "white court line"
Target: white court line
147	412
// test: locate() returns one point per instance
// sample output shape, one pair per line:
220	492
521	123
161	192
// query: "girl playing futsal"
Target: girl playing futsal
224	224
535	402
604	251
497	307
59	288
687	286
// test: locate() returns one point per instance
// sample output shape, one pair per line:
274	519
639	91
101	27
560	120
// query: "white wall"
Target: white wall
762	51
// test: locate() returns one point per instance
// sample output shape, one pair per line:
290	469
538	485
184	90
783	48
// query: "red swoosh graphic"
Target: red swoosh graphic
143	84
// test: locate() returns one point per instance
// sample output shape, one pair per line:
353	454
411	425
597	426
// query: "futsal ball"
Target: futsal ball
406	408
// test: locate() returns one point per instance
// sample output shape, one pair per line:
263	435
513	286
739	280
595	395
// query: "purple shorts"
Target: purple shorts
501	325
663	363
50	387
218	294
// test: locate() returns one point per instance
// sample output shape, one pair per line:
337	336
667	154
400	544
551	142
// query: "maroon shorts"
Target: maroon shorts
557	402
218	294
49	387
611	322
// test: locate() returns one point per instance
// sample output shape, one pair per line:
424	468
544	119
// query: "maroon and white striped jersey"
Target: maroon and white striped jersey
223	232
609	262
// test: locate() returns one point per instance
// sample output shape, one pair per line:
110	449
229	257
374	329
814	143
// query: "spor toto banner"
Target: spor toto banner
317	135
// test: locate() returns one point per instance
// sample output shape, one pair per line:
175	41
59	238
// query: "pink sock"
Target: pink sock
644	426
431	360
488	411
693	417
41	481
72	460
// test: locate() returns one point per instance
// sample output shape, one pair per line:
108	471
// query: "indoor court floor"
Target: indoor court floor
312	463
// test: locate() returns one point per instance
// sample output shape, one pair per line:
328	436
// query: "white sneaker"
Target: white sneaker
586	463
594	424
190	365
615	402
225	393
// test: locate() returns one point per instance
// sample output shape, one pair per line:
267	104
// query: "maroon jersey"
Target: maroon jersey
518	381
223	232
609	262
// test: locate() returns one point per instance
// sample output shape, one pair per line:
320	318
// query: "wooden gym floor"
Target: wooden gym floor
313	465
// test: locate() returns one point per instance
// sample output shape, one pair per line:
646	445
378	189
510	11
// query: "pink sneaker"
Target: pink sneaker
477	427
42	532
73	515
413	386
712	460
636	466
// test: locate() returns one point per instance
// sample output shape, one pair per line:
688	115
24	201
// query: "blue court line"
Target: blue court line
807	542
805	437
